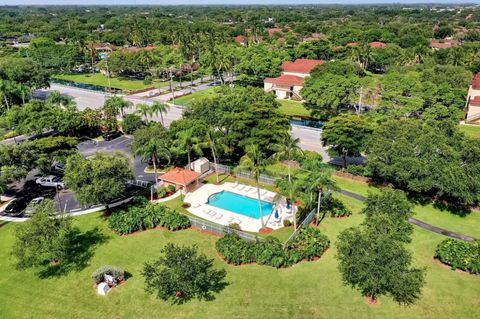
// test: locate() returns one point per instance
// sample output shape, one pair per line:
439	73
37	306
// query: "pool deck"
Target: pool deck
198	200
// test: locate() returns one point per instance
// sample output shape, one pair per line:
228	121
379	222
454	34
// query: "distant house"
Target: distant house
473	101
289	84
273	31
443	44
240	39
377	45
181	178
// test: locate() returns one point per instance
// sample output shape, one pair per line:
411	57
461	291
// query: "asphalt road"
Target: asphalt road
309	138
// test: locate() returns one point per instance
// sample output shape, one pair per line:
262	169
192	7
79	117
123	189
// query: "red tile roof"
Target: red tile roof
180	176
376	44
475	101
476	82
272	31
240	39
302	66
137	49
443	44
286	80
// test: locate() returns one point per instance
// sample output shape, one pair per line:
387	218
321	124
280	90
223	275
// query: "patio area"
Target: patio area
199	199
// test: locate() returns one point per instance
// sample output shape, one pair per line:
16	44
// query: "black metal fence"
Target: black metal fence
306	221
220	229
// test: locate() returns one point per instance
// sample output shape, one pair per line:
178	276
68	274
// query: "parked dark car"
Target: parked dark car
108	136
16	207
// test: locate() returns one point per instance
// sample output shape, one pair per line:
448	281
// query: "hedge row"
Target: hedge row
310	243
146	216
460	254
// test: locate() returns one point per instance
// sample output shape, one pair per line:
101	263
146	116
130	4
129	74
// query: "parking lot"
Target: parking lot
65	199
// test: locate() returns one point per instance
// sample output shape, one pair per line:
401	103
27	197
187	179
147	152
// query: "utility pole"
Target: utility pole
171	87
108	77
360	100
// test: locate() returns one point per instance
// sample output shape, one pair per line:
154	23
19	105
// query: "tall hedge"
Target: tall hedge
146	216
309	243
460	254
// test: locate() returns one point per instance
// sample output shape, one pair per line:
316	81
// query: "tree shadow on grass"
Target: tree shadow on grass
452	209
79	252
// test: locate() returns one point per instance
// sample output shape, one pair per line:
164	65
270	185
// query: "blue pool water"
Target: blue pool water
239	204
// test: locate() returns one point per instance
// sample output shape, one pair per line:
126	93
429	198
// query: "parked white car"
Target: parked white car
34	202
50	181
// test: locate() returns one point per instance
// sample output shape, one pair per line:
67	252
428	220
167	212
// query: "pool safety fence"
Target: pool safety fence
220	230
306	221
223	169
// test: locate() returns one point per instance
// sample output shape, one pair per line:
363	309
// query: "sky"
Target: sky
224	2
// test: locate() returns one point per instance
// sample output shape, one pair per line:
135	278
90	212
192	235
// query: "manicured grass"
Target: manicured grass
293	108
101	80
470	130
306	290
469	224
187	99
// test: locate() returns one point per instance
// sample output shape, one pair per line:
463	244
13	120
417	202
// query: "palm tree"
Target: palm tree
155	150
144	110
320	181
215	141
289	189
287	149
158	108
116	105
255	162
187	140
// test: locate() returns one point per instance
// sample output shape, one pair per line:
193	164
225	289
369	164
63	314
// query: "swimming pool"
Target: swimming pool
239	204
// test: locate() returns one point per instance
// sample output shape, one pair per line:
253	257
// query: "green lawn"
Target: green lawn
470	130
306	290
187	99
101	80
293	108
468	224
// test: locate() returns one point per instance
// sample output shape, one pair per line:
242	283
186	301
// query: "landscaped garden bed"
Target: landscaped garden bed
309	244
460	255
145	216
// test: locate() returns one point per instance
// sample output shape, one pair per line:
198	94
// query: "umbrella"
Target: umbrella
276	214
288	204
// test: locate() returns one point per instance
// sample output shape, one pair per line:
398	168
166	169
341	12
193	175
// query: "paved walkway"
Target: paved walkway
418	222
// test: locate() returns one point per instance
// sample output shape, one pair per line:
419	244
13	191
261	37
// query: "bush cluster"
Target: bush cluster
116	272
131	123
335	207
162	191
309	243
146	216
460	254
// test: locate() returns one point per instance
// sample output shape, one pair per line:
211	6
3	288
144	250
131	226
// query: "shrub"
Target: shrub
147	80
170	188
131	123
161	192
335	207
287	223
234	226
460	254
146	216
116	272
308	244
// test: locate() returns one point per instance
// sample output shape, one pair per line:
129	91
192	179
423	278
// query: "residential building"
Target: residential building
290	82
472	110
443	44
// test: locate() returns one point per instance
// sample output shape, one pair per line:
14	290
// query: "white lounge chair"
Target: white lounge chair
240	187
211	213
196	205
230	220
218	216
235	185
238	221
253	191
248	189
263	192
206	211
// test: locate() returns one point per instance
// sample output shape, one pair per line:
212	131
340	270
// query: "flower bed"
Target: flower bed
310	244
146	216
460	255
